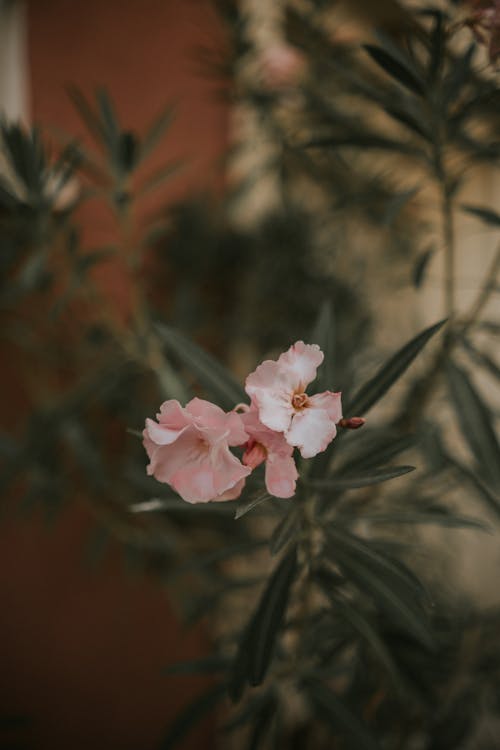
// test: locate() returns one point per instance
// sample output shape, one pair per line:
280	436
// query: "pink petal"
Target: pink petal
311	431
281	476
161	434
302	360
215	423
173	415
231	494
330	402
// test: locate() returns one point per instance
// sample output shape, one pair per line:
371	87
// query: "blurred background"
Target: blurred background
223	167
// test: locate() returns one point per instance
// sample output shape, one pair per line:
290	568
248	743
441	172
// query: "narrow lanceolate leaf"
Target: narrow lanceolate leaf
244	506
491	498
380	450
486	215
286	530
331	710
387	375
397	67
436	517
207	665
193	713
476	422
361	480
323	334
256	647
420	267
340	607
394	589
156	132
211	374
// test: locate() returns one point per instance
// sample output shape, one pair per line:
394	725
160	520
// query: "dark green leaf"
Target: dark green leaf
487	215
89	117
342	608
481	358
439	517
491	498
256	647
476	422
420	267
193	713
323	334
159	177
397	67
365	141
396	591
375	451
156	132
361	480
244	506
330	709
207	665
438	46
205	367
378	386
285	531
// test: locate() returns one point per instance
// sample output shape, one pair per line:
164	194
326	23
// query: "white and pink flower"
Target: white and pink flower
188	449
278	390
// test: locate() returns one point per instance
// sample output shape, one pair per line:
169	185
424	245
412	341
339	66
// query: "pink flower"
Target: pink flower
188	449
278	391
281	66
269	446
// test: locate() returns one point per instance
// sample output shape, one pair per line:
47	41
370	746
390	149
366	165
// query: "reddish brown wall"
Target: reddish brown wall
81	650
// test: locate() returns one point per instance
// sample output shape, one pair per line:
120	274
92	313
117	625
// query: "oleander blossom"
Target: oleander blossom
278	392
265	445
188	448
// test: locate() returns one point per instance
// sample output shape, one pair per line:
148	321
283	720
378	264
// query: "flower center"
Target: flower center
299	401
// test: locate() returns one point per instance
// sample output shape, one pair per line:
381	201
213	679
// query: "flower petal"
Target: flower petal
281	475
160	433
302	360
311	431
330	402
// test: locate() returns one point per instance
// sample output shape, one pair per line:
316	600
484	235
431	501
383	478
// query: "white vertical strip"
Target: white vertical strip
13	60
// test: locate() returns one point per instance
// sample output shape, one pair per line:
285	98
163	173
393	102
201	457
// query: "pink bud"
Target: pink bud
354	423
254	455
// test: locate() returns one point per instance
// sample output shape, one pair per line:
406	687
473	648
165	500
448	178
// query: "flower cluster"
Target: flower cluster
484	21
189	447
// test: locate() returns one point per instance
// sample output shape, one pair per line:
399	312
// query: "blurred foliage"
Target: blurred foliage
340	644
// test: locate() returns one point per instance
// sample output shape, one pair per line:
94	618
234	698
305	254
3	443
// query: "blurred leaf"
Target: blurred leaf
488	495
285	531
420	267
192	714
206	665
481	358
340	607
390	585
323	334
437	46
375	388
361	480
211	374
365	141
246	505
89	117
156	132
476	421
330	709
374	451
256	647
397	203
438	516
398	66
159	177
487	215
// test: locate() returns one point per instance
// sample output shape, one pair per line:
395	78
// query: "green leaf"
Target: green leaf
364	141
397	66
396	590
483	359
89	117
193	713
206	665
476	421
488	495
159	177
420	267
330	709
156	132
341	608
375	451
486	215
374	389
256	647
323	334
211	374
285	531
361	480
438	517
244	506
